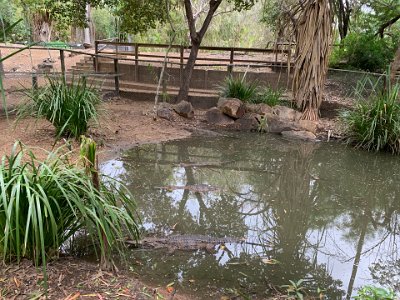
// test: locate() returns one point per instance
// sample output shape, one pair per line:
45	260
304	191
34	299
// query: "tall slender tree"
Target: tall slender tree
138	16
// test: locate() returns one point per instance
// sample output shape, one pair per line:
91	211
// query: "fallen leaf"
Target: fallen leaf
170	289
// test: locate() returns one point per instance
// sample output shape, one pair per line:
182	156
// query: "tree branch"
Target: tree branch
381	29
214	4
190	20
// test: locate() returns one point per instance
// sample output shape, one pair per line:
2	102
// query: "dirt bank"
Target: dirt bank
122	124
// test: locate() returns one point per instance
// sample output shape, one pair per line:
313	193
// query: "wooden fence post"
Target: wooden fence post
34	81
181	50
96	59
116	76
136	62
231	59
62	59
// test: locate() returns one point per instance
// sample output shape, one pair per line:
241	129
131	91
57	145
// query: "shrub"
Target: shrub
240	88
374	293
68	106
374	124
363	51
269	96
44	203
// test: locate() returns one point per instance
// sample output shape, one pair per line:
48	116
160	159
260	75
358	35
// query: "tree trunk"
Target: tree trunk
42	31
87	42
187	75
196	37
313	37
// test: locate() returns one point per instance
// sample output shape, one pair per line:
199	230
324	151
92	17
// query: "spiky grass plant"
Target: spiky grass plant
238	87
374	124
68	106
268	95
44	203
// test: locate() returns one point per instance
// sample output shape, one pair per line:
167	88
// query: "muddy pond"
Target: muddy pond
255	211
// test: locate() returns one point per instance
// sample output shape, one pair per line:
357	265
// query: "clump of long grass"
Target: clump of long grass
249	91
374	123
44	203
268	95
239	88
68	106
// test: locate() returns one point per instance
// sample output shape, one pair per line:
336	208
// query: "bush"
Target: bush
68	106
240	88
374	124
374	293
268	96
363	52
44	203
236	87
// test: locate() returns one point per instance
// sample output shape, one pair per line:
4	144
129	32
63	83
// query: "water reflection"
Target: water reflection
318	212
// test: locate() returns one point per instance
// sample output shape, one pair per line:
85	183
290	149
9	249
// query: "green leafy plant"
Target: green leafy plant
268	95
374	293
44	203
374	124
238	87
68	106
363	51
295	290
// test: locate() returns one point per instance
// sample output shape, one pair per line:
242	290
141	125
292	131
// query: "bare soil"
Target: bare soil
73	278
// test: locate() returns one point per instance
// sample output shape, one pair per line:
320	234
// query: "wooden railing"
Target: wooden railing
231	52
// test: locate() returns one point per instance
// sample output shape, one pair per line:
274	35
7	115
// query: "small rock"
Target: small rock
44	66
301	135
231	107
286	113
277	125
259	108
184	109
307	125
165	113
248	122
216	117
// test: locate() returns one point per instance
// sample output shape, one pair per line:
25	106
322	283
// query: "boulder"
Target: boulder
184	109
165	113
231	107
301	135
258	108
249	122
277	125
216	117
307	125
286	113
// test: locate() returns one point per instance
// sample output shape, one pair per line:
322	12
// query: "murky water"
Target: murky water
319	212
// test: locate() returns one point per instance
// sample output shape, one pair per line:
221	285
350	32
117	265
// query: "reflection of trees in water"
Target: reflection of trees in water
291	216
291	191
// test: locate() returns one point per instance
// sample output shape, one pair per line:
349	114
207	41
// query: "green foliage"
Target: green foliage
268	95
240	88
374	293
104	23
44	203
374	124
68	106
295	290
364	52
